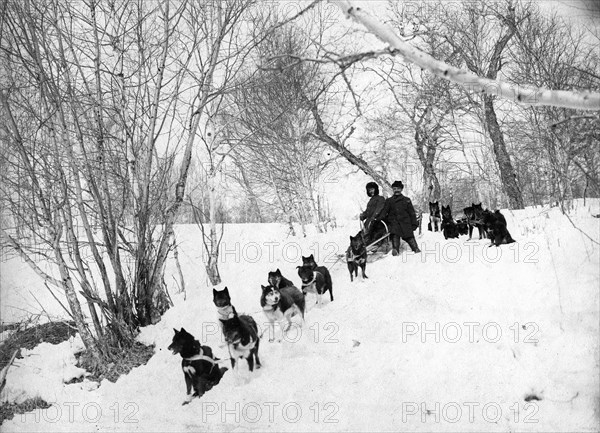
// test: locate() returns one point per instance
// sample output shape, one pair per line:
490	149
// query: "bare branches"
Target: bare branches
521	94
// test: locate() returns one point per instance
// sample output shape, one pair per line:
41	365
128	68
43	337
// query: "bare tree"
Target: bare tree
97	101
273	123
561	141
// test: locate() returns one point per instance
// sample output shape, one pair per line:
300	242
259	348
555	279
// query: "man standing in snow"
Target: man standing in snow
399	213
374	208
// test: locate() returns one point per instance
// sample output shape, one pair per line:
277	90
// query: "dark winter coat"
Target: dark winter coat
374	208
399	214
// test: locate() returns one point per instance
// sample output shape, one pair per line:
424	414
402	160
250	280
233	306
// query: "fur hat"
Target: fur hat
397	184
374	186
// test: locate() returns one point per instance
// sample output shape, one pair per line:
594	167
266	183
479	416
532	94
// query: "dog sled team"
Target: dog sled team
281	300
490	225
383	220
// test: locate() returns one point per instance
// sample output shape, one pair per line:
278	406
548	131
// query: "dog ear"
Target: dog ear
278	271
298	267
176	331
183	330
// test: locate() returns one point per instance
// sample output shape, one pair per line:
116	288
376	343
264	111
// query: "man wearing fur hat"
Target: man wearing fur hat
399	213
374	208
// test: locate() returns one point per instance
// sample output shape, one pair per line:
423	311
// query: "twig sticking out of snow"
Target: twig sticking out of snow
4	371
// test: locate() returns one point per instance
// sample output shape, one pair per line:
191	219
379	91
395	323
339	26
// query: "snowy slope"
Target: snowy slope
452	339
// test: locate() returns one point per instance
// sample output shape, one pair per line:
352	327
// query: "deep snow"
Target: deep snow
452	339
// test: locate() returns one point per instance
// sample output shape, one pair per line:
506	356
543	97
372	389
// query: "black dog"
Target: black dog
462	226
449	227
280	304
314	281
474	214
278	280
199	366
240	332
495	226
356	256
434	216
310	261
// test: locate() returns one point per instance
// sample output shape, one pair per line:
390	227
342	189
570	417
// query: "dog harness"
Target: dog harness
202	357
353	257
312	282
225	312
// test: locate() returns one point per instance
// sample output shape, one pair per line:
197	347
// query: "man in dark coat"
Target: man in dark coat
374	208
400	216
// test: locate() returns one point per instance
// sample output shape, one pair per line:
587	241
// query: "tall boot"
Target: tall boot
412	243
395	245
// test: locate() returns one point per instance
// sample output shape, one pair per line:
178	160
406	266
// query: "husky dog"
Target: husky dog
222	301
314	281
449	227
278	280
462	226
200	368
279	304
474	214
322	270
495	226
356	256
240	331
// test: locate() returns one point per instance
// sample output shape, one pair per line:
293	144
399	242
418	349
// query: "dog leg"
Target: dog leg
188	381
272	331
255	353
250	360
188	399
363	271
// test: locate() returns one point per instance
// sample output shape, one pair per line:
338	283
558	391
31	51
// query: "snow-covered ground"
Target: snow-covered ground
452	339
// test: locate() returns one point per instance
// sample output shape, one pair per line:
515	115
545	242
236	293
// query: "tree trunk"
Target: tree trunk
212	269
251	194
508	175
431	185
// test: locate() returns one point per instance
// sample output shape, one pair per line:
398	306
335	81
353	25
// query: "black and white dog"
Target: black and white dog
314	282
240	331
319	281
199	366
281	304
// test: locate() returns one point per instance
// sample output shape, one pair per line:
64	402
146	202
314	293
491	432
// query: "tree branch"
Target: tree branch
527	95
